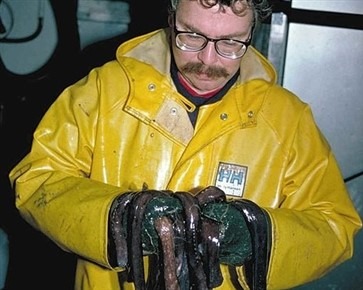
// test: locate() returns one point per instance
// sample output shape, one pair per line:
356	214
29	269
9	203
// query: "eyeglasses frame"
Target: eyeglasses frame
246	43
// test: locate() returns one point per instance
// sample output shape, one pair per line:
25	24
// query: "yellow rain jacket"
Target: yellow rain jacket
125	125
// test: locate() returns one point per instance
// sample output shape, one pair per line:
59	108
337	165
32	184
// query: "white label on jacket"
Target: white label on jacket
231	178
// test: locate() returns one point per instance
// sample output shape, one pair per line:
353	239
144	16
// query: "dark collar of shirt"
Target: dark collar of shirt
198	101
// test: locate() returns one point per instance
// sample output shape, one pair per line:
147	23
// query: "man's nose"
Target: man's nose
208	55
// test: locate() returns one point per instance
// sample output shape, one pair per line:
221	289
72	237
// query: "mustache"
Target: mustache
210	71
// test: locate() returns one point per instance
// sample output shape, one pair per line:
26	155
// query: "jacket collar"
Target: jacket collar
156	94
149	47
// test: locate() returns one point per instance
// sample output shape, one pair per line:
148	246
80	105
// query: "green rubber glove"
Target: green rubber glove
235	239
132	221
157	207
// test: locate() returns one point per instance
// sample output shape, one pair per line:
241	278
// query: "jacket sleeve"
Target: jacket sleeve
55	190
313	228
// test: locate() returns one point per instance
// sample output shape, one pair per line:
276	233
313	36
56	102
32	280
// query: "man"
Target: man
188	111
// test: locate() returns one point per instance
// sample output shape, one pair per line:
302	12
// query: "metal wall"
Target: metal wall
317	49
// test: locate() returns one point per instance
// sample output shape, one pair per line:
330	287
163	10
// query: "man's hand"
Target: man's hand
132	222
158	206
235	247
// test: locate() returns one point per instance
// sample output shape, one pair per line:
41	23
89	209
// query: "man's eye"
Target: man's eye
194	37
230	43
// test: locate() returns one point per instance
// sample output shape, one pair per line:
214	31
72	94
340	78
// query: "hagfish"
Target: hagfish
257	222
118	230
210	237
197	276
136	214
210	194
210	246
181	258
188	249
164	228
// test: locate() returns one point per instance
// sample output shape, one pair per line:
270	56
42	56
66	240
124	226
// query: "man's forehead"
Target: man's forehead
194	15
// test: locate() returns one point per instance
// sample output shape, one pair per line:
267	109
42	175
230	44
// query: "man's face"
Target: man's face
206	70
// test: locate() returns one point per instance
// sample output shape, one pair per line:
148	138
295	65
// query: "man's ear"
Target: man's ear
171	19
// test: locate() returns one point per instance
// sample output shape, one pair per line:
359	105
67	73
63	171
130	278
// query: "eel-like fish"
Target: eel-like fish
164	228
210	237
257	222
188	246
210	246
136	214
118	230
181	258
210	194
191	208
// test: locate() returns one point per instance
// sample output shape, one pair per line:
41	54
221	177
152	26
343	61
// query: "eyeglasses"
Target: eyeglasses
226	47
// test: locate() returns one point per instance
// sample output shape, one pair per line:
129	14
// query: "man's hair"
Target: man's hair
261	8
